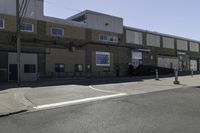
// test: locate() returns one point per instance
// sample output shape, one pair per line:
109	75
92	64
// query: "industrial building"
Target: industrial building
88	44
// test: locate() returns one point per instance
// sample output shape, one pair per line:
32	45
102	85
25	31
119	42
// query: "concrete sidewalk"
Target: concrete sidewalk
151	85
9	104
19	99
63	93
55	94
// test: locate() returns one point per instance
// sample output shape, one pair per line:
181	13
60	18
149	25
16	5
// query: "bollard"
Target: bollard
176	77
157	78
192	73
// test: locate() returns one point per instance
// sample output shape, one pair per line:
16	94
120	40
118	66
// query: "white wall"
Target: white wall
35	8
25	59
134	37
153	40
98	21
168	42
182	45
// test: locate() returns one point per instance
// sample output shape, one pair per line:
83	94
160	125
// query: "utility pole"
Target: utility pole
18	36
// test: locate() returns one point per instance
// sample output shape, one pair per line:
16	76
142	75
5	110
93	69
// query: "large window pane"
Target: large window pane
1	24
102	59
57	32
29	68
107	38
78	68
26	27
59	67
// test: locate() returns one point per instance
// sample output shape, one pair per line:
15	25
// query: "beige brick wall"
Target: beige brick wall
10	23
64	56
69	31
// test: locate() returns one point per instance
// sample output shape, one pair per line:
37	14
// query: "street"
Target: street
168	111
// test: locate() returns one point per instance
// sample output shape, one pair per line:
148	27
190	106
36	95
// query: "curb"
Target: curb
14	113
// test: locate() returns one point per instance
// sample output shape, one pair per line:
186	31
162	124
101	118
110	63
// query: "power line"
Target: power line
25	7
22	5
63	7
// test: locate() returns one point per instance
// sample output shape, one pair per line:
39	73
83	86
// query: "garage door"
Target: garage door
193	65
168	62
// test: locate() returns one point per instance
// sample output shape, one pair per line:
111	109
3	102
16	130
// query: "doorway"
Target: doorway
193	65
13	73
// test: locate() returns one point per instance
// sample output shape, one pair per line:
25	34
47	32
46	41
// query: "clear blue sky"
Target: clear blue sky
176	17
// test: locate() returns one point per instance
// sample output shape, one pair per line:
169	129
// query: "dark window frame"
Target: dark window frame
3	24
76	69
24	25
99	57
59	69
29	68
56	34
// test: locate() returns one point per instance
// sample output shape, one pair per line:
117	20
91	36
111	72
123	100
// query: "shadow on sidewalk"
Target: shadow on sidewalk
79	81
69	81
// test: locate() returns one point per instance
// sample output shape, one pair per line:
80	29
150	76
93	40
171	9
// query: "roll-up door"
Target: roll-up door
168	62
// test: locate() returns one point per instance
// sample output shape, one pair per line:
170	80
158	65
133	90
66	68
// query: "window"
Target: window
60	68
80	19
29	68
103	38
194	47
153	40
26	27
78	68
2	24
134	37
107	38
106	69
182	45
102	58
57	32
168	42
113	39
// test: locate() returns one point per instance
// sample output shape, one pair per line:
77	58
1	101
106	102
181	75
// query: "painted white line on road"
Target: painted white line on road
53	105
107	91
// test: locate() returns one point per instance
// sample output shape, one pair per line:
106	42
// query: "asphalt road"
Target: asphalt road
172	111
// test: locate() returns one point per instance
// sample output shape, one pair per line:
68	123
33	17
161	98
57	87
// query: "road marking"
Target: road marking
53	105
107	91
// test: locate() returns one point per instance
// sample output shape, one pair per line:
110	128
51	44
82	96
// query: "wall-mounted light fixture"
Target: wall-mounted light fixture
106	24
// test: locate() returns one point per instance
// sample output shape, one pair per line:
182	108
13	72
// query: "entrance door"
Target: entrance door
13	74
193	65
136	59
